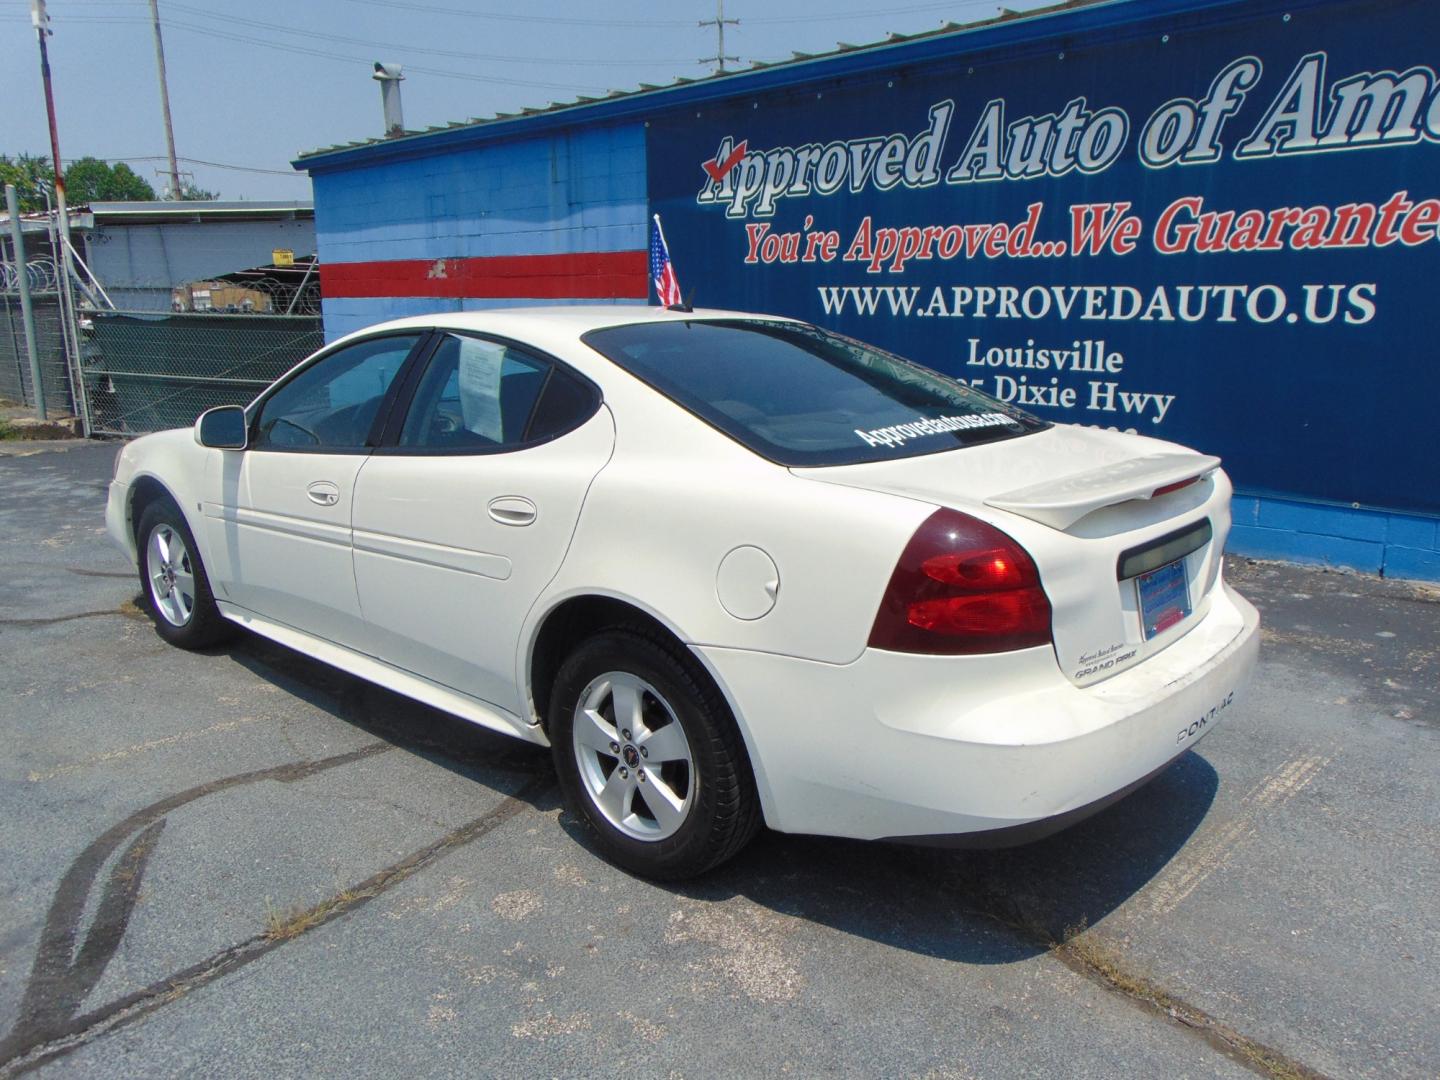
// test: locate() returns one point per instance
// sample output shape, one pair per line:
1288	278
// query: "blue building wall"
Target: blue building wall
574	191
1352	538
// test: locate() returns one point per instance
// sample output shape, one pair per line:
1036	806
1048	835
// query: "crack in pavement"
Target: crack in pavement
78	571
53	619
1083	952
1097	961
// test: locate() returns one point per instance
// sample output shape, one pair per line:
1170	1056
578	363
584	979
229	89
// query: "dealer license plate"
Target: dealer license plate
1164	598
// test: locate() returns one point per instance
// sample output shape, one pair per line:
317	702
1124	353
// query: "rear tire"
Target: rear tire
173	581
648	753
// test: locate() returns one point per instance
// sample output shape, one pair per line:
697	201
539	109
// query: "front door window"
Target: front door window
332	405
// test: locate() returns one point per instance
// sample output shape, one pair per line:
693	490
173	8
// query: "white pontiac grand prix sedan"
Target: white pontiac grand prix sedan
731	568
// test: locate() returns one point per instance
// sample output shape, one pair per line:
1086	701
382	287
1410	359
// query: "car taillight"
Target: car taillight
962	587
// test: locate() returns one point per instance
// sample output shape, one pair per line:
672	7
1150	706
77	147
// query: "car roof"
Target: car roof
568	320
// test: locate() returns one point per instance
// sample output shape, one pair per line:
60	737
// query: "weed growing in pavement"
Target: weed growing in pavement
281	926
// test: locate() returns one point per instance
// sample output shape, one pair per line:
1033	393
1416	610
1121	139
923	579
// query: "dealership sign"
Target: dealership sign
1225	233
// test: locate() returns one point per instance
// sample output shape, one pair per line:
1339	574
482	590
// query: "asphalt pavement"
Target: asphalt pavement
245	863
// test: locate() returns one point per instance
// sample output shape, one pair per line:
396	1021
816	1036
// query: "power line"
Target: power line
202	161
398	48
126	158
494	58
95	19
813	16
908	10
636	24
368	61
238	168
301	50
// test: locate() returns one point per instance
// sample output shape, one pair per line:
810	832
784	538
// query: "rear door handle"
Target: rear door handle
323	493
513	510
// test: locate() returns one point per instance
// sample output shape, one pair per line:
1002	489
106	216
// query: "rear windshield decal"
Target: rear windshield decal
896	434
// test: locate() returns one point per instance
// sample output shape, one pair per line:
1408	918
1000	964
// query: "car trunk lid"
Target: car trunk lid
1126	531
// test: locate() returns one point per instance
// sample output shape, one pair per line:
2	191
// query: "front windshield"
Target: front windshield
802	396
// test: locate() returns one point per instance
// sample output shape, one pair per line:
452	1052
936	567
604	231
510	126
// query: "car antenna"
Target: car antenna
686	305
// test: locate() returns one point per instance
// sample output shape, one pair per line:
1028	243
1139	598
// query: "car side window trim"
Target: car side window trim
389	441
418	353
535	405
402	389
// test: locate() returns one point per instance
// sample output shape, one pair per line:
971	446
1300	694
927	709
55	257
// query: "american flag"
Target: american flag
662	271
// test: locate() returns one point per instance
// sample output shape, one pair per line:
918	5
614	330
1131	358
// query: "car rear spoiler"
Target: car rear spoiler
1061	502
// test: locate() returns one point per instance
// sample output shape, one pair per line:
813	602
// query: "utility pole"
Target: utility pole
719	22
175	189
41	22
68	321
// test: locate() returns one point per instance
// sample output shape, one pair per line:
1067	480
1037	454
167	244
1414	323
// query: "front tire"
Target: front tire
648	753
173	580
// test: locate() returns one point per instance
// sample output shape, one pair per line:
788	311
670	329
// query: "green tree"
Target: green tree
91	180
88	179
32	177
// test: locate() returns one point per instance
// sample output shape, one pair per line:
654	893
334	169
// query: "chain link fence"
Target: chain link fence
169	354
15	382
145	371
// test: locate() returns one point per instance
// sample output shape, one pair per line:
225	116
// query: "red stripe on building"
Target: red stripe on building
604	275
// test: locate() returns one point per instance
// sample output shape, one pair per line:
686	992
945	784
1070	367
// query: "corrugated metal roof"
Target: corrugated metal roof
162	208
90	215
737	78
112	213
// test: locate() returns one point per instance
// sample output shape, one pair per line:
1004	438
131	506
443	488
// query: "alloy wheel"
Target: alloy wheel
635	761
172	579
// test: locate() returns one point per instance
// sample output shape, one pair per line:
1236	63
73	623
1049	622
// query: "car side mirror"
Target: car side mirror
223	428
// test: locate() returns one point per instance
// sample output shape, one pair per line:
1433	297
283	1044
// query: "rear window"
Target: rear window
799	395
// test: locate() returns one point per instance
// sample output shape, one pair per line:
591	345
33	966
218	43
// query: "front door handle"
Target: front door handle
513	510
323	493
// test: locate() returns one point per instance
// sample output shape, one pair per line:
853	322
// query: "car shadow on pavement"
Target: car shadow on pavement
977	907
436	736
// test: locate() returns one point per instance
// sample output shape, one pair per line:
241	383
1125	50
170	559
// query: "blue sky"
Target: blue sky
253	84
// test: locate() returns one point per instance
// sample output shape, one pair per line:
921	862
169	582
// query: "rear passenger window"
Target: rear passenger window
481	395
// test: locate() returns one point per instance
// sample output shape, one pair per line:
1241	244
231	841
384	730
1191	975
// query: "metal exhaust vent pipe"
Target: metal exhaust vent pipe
389	77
